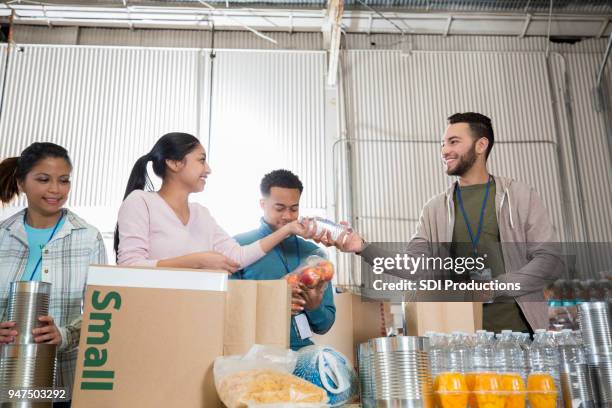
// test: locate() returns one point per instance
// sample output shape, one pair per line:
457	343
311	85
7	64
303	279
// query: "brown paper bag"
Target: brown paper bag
254	315
149	336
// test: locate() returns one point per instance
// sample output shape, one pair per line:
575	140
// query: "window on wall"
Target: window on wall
267	113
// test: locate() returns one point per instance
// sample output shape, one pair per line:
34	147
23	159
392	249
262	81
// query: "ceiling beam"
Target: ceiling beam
309	20
332	32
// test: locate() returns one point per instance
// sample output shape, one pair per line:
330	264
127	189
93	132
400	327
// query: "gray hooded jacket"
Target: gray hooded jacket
534	261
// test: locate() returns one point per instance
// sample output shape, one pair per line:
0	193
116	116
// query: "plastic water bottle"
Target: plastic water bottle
525	344
544	357
580	292
459	354
323	224
492	339
438	345
523	341
470	340
577	337
484	353
509	357
574	353
526	341
604	291
566	338
517	337
543	354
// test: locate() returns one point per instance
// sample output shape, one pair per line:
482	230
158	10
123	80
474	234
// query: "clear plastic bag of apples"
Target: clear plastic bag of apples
314	272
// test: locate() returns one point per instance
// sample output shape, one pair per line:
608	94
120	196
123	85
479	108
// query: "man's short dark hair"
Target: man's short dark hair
280	178
480	125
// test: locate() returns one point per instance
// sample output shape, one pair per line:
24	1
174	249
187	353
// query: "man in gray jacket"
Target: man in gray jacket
481	213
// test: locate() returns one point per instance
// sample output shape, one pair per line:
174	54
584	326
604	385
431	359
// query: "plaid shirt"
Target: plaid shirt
65	261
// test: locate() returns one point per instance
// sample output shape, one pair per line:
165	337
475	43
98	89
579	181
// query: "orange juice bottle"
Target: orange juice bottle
483	362
451	390
514	385
542	392
487	381
470	379
488	390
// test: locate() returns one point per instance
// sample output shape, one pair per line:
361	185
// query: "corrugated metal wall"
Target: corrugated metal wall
397	103
586	152
3	51
592	150
410	102
106	106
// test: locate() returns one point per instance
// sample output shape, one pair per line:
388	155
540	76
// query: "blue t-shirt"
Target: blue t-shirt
37	239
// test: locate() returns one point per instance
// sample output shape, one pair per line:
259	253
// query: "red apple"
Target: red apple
319	271
327	270
310	277
293	279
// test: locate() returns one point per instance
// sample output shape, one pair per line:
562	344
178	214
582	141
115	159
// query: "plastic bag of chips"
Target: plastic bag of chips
262	378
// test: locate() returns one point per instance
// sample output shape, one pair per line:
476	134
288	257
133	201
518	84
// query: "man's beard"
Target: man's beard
465	162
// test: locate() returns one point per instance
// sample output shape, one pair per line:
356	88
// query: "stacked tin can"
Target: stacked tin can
365	375
23	363
395	372
595	319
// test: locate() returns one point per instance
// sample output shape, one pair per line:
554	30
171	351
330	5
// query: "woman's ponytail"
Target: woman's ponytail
8	179
139	179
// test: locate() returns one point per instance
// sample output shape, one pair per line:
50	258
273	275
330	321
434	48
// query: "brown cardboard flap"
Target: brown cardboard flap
273	323
240	316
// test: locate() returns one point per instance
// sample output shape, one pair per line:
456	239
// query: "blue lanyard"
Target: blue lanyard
473	239
277	250
48	240
286	261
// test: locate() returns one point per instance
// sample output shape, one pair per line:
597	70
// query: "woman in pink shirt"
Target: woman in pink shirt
164	229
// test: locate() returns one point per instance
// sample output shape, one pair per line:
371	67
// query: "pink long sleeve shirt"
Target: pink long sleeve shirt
149	231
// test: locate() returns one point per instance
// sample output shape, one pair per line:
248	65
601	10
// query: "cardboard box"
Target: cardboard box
444	317
150	336
356	322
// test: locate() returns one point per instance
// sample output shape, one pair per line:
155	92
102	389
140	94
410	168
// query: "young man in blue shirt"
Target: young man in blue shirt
313	310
